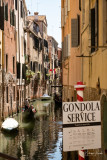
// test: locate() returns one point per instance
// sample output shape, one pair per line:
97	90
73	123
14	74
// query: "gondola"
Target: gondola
28	114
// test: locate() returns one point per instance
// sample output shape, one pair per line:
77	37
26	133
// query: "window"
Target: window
6	62
22	45
13	65
75	31
105	21
18	70
6	94
12	17
83	13
80	5
94	28
14	93
2	17
21	9
6	12
16	4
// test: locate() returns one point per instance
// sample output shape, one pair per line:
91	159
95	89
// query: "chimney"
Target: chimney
36	16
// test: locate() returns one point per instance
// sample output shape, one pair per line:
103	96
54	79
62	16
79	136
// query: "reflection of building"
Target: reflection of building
53	58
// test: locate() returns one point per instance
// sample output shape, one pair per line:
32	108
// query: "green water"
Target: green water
38	139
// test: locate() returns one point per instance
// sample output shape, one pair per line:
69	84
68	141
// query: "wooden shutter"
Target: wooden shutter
92	29
16	4
68	5
80	5
62	17
74	32
6	12
78	17
96	24
62	49
13	22
69	44
64	46
21	9
23	71
2	17
10	16
18	70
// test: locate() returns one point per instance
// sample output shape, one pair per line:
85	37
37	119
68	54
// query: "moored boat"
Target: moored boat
28	114
10	124
45	97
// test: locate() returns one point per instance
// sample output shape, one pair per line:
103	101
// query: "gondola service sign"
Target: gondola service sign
81	125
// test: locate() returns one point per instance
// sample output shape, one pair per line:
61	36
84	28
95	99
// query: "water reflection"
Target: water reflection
40	139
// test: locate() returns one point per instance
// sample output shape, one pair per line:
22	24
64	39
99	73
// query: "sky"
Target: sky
52	10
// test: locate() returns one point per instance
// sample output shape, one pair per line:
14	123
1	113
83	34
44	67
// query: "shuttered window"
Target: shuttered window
6	12
16	4
6	62
96	25
83	13
74	32
7	94
2	17
63	50
105	21
80	5
69	45
21	9
31	66
92	29
13	65
78	18
12	17
24	71
18	70
34	65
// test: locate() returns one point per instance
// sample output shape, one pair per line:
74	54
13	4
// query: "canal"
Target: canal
38	139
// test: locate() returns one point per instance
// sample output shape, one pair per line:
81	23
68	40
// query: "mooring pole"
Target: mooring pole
80	88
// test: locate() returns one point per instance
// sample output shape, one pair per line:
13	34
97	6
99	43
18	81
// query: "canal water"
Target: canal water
38	139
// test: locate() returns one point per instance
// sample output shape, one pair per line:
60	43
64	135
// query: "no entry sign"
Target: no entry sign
81	125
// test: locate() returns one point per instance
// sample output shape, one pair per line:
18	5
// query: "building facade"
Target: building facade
71	48
87	59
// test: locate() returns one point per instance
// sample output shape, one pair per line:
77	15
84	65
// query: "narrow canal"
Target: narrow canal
38	139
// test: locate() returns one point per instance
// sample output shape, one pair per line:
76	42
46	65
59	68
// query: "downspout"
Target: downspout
19	48
3	43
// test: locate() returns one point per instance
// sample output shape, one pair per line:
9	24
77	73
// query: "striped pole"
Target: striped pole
80	88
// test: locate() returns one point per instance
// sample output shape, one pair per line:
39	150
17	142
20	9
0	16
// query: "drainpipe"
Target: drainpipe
19	46
3	43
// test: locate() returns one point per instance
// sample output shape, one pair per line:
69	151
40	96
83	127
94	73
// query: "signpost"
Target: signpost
81	125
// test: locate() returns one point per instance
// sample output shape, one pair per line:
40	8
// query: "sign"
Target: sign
81	125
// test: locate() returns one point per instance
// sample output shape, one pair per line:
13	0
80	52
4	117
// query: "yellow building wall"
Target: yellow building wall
94	67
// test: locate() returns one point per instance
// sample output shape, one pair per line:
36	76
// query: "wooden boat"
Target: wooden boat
45	97
58	100
10	124
29	114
